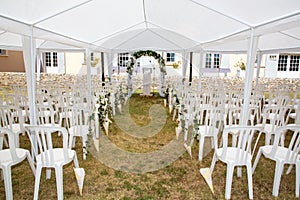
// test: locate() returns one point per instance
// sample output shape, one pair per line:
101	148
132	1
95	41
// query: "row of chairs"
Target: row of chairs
242	153
215	112
45	155
64	111
63	114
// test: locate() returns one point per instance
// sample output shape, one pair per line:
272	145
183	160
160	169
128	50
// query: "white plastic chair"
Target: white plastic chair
63	103
79	127
231	120
211	127
46	115
237	156
10	157
273	117
295	113
47	156
282	154
11	118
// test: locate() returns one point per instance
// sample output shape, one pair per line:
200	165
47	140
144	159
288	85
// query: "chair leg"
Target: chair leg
267	139
17	140
59	182
174	115
7	182
239	171
213	163
229	176
74	142
37	182
277	177
234	140
297	178
48	173
60	122
1	142
30	160
75	160
289	169
185	131
84	141
201	146
71	141
250	184
256	160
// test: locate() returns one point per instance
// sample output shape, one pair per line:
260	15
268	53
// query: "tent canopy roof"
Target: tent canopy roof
168	25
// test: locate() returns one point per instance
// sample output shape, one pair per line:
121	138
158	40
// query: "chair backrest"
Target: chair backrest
213	117
45	114
21	100
233	116
10	115
63	101
41	141
293	146
280	100
217	99
79	116
244	145
188	106
275	115
10	136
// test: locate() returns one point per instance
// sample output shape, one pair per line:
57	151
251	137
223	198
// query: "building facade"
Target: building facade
11	61
213	64
282	65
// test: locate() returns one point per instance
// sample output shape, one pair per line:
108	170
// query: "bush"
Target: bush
175	65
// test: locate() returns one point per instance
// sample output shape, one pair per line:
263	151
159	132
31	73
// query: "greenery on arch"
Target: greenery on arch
138	54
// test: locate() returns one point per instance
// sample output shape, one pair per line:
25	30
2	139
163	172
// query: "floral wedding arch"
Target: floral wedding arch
162	67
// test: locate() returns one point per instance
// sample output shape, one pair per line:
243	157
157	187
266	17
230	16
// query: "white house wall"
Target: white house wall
235	58
74	61
272	66
61	65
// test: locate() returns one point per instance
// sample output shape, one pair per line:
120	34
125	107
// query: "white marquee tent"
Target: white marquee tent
166	25
119	25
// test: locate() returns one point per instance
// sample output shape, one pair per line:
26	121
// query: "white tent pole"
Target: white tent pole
191	68
200	69
110	58
259	56
88	76
38	65
253	42
29	60
102	67
184	64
